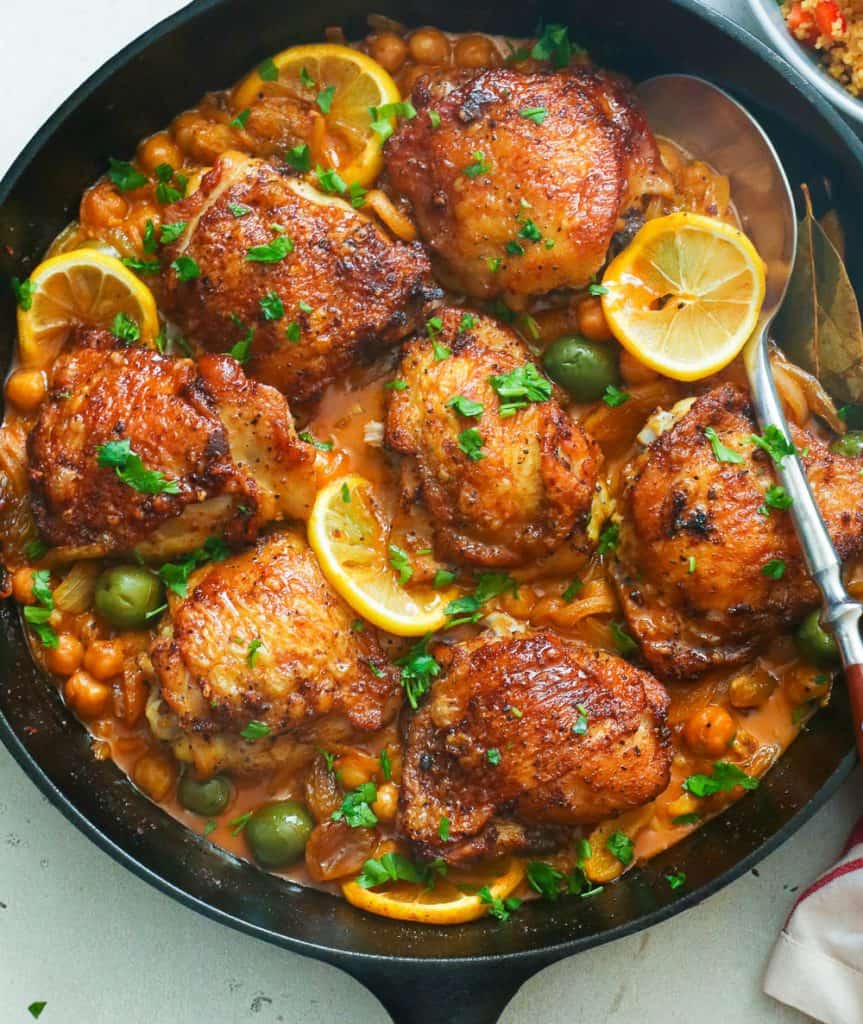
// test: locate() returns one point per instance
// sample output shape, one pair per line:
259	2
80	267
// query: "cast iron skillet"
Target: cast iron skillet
462	975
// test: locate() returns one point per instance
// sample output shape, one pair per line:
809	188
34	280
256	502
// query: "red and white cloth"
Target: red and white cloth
817	964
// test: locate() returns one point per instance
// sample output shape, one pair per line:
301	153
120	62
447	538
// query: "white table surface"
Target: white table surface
99	945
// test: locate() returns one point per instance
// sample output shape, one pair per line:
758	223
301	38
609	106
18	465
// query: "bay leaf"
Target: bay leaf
819	325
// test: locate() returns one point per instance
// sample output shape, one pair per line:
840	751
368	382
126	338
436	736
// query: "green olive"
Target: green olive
126	593
207	798
583	368
850	445
815	643
278	832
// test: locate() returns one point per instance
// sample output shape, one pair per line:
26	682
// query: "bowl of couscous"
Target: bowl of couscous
823	40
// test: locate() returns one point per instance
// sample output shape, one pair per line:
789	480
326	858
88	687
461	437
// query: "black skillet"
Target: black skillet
461	975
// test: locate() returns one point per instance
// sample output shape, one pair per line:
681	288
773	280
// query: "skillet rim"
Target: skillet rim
541	954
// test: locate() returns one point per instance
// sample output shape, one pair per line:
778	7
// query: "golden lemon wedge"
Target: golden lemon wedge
348	534
685	295
453	899
82	286
343	84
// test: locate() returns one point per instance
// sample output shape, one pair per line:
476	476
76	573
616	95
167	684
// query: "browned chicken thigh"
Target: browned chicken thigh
523	734
525	181
223	449
310	282
708	569
505	478
261	638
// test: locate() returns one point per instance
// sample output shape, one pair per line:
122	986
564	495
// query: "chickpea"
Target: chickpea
154	775
25	389
159	149
634	372
389	50
104	659
806	683
354	769
201	139
686	803
475	51
591	320
751	689
429	46
709	731
22	586
65	658
103	206
85	695
387	802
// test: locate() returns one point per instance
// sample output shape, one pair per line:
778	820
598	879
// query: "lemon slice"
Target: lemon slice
685	295
83	286
454	898
347	534
357	83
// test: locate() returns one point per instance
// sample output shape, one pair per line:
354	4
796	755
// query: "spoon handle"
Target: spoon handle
841	614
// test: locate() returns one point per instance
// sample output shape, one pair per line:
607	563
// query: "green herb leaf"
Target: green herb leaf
582	722
124	329
470	442
239	209
210	827
142	266
175	575
186	268
399	559
34	550
514	249
596	290
608	539
478	167
774	569
613	397
299	157
126	177
393	867
440	352
535	114
35	1009
396	385
530	231
720	451
240	120
776	497
492	755
686	819
545	879
23	291
502	909
307	79
272	306
443	828
309	438
293	331
149	240
554	45
572	590
724	778
386	766
238	824
267	70
131	470
325	98
357	194
465	406
273	252
356	807
467	323
775	443
443	578
519	387
434	117
493	263
38	619
255	731
624	643
252	652
620	846
171	232
419	669
676	880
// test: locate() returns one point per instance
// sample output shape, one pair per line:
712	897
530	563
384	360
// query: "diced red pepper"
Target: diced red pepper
802	24
827	17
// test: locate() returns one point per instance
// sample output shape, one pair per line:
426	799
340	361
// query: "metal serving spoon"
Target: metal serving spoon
710	125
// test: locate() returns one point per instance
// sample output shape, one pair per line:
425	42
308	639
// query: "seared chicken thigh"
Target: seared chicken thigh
310	282
505	479
261	638
526	732
527	177
708	568
229	457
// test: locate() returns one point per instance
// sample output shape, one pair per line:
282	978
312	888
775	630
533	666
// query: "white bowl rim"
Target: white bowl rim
773	24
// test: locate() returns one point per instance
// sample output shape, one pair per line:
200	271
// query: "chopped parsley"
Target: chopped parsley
307	79
268	70
165	192
35	1009
329	759
325	98
299	157
723	779
545	879
469	607
513	248
293	332
467	323
500	908
440	351
175	575
434	117
125	176
356	807
573	589
255	731
309	438
535	114
554	45
396	385
530	231
35	549
125	329
676	880
141	266
443	578
23	291
582	722
209	828
519	387
38	617
721	452
131	470
346	494
608	539
775	497
686	819
774	569
394	867
470	442
478	167
620	846
443	828
149	240
493	263
240	350
186	268
492	755
399	559
596	289
386	766
272	306
613	397
238	824
171	232
240	120
624	643
252	652
691	563
419	669
775	443
465	406
239	209
330	180
357	194
272	252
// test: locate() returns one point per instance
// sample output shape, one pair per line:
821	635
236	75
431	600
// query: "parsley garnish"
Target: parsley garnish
309	438
38	617
238	824
676	880
393	867
396	385
356	807
175	575
545	879
165	192
443	828
440	352
775	443
443	578
493	263
691	563
492	755
255	731
141	266
582	722
467	323
624	643
186	268
330	180
399	559
325	99
434	117
620	845
596	289
418	670
608	539
124	329
535	114
149	240
271	306
357	194
267	70
721	452
775	497
613	397
514	249
465	406
171	232
35	549
131	470
572	590
307	79
478	167
125	176
470	442
774	569
502	909
554	45
469	607
723	779
293	332
530	231
299	157
35	1009
519	387
686	819
240	120
210	827
239	209
252	652
23	293
272	252
386	767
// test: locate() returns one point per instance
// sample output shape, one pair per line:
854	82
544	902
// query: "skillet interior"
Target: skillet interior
208	46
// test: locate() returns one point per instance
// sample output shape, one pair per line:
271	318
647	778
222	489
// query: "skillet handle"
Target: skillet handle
854	682
435	993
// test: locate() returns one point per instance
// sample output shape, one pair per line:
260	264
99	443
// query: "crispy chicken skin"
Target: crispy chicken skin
262	637
681	503
536	479
487	174
350	289
228	444
548	775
